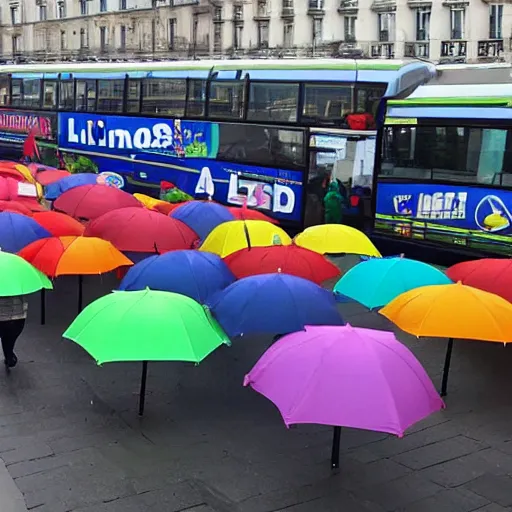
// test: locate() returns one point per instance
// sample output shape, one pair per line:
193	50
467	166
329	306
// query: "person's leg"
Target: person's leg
10	333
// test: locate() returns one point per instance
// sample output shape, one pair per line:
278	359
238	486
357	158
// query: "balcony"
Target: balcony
454	50
490	49
348	6
383	5
287	11
416	49
316	8
382	50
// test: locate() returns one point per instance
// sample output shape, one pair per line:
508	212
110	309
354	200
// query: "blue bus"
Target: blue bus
271	133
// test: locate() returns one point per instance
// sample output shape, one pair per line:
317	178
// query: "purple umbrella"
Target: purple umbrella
345	376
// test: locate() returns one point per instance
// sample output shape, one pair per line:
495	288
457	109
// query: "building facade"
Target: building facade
49	30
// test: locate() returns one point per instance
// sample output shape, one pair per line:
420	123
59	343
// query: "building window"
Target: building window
495	21
263	31
237	37
122	38
457	17
63	40
15	15
103	39
288	35
316	5
238	12
84	38
349	28
173	29
317	30
103	5
122	5
217	14
43	16
217	38
84	9
422	24
387	27
262	8
16	45
288	6
61	9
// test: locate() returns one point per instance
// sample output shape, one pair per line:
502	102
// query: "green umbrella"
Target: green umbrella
19	277
146	326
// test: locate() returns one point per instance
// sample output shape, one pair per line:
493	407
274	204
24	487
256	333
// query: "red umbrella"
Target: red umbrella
166	208
244	213
47	177
288	259
489	274
141	230
90	201
59	224
16	207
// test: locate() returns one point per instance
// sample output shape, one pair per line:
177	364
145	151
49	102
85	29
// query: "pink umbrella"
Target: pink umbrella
345	376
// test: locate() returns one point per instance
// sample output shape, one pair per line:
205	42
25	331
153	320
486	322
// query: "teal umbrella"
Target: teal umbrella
376	282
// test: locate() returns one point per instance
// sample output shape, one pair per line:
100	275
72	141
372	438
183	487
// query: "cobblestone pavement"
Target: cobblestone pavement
71	439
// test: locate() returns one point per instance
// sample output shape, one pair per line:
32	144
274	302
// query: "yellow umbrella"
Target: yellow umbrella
25	172
235	235
148	201
336	239
452	311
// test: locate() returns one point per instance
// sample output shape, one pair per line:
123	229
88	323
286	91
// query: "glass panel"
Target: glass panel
16	92
226	100
133	99
31	93
196	98
327	102
273	102
86	95
4	90
164	96
50	95
66	97
110	95
261	145
368	98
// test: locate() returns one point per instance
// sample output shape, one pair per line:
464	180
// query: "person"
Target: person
13	313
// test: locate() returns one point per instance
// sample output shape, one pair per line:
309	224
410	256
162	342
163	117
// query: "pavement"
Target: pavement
71	439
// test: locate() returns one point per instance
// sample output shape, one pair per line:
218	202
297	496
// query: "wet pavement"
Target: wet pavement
71	440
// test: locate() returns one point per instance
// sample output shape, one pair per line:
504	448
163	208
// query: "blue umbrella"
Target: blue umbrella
273	304
202	217
17	231
55	189
195	274
377	281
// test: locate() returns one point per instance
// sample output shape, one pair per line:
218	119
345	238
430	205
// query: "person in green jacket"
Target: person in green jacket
334	203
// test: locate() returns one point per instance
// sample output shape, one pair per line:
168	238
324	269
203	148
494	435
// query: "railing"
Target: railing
315	7
454	49
382	50
417	49
287	12
490	49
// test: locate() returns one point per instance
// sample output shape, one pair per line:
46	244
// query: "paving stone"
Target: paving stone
30	451
496	488
493	507
438	452
451	500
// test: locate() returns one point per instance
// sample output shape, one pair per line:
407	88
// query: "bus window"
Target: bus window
273	102
86	95
50	94
327	102
368	98
17	87
31	93
133	96
196	98
67	95
110	95
164	96
4	90
226	100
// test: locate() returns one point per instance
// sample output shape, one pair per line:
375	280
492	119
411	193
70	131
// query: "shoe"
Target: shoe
11	361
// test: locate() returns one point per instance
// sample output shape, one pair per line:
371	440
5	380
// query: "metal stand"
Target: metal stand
335	455
142	396
446	370
43	306
80	292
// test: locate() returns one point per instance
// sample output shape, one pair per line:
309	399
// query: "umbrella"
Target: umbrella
346	377
146	326
91	201
452	311
55	189
141	230
15	207
59	224
273	304
244	213
17	231
47	177
288	259
195	274
148	201
378	281
20	277
489	274
336	239
232	236
166	208
35	167
202	216
74	255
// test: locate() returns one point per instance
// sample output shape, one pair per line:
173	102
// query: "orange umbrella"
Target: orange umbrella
59	224
452	311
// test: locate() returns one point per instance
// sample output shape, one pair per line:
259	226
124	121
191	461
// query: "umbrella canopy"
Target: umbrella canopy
452	311
244	213
15	207
273	304
20	277
195	274
141	230
91	201
202	216
17	231
35	167
55	189
146	326
488	274
148	201
336	239
166	208
345	376
288	259
74	255
376	282
59	224
47	177
232	236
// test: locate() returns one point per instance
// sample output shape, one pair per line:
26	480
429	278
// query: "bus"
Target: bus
267	133
443	176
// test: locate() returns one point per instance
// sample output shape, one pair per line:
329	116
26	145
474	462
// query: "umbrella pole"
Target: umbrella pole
142	396
43	306
446	370
80	292
335	455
